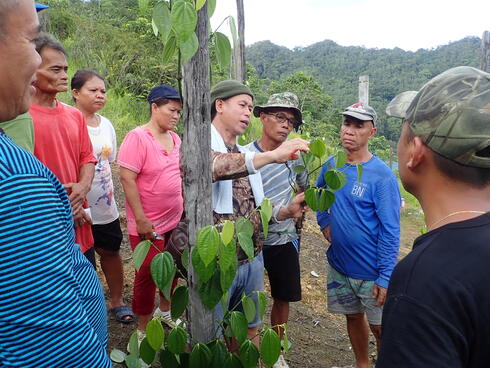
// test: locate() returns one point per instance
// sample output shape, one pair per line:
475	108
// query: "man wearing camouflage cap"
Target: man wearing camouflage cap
438	306
363	229
279	117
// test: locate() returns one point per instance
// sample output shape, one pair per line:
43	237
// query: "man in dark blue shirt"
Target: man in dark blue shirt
437	312
363	229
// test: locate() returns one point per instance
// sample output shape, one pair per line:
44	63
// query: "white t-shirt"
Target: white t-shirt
101	200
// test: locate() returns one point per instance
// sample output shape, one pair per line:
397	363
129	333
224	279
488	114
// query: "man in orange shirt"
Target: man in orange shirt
62	142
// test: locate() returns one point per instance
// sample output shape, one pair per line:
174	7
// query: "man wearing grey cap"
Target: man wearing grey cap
363	229
437	312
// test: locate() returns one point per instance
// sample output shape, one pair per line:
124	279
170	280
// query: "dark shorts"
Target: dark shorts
282	265
108	236
90	255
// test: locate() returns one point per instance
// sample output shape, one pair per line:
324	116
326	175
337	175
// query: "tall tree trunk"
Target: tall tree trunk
485	50
196	148
239	52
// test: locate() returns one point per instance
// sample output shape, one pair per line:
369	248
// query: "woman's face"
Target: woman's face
92	96
167	116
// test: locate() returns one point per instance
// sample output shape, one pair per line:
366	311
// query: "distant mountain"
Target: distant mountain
337	68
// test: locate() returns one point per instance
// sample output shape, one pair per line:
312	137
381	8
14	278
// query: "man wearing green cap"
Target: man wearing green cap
237	184
279	116
437	312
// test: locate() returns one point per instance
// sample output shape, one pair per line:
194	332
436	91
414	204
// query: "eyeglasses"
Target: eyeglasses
281	119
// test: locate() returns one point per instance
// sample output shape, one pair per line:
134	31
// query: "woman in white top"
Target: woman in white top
89	94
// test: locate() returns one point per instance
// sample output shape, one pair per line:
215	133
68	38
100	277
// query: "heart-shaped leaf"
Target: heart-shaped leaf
227	232
204	272
239	326
200	356
163	271
179	301
177	339
155	334
249	354
184	19
207	244
140	253
270	347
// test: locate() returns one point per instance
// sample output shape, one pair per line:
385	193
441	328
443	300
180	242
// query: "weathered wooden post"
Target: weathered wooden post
239	52
364	89
485	50
196	147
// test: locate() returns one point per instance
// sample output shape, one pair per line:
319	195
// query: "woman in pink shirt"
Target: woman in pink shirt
150	175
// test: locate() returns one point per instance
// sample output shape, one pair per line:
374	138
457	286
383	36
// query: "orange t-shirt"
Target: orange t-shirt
62	144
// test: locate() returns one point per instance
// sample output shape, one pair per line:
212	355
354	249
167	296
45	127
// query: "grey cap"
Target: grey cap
397	108
362	112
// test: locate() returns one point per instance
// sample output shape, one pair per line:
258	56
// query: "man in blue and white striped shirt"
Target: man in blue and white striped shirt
52	310
281	247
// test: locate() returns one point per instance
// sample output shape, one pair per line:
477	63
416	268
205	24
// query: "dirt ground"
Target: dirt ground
319	338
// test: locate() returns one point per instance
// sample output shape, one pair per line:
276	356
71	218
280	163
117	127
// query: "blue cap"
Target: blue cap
40	7
163	91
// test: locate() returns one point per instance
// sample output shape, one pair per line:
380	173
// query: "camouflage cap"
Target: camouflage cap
397	107
451	113
362	112
286	100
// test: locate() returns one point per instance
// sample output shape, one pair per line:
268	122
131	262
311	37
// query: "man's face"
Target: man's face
19	59
236	112
355	133
52	77
277	124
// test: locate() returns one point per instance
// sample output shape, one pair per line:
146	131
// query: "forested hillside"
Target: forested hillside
115	38
337	68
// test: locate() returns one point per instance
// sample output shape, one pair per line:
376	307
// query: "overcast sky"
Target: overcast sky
410	24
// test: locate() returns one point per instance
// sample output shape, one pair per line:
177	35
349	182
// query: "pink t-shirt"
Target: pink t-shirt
62	144
158	181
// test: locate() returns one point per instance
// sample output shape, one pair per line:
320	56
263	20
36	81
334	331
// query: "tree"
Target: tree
197	166
239	52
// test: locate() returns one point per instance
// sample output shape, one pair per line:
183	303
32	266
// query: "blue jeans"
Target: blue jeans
249	278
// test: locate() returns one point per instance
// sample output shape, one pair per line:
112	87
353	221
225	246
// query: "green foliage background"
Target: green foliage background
116	39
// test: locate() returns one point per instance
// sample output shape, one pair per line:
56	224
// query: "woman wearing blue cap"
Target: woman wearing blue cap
150	175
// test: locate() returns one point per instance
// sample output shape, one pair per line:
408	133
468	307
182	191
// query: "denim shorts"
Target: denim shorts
346	295
249	278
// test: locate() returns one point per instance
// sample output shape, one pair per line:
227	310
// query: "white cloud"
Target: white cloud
409	25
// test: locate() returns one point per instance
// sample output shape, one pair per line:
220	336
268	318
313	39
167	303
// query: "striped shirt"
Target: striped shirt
52	310
278	181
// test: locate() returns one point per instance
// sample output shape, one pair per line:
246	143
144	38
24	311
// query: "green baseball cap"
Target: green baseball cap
229	88
285	100
451	113
397	107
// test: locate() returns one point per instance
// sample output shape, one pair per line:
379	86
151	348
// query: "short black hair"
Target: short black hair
47	40
475	177
81	77
213	107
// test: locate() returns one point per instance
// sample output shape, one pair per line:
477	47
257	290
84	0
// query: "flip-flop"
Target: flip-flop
121	312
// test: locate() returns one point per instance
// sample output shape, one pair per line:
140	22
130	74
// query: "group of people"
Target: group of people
57	210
